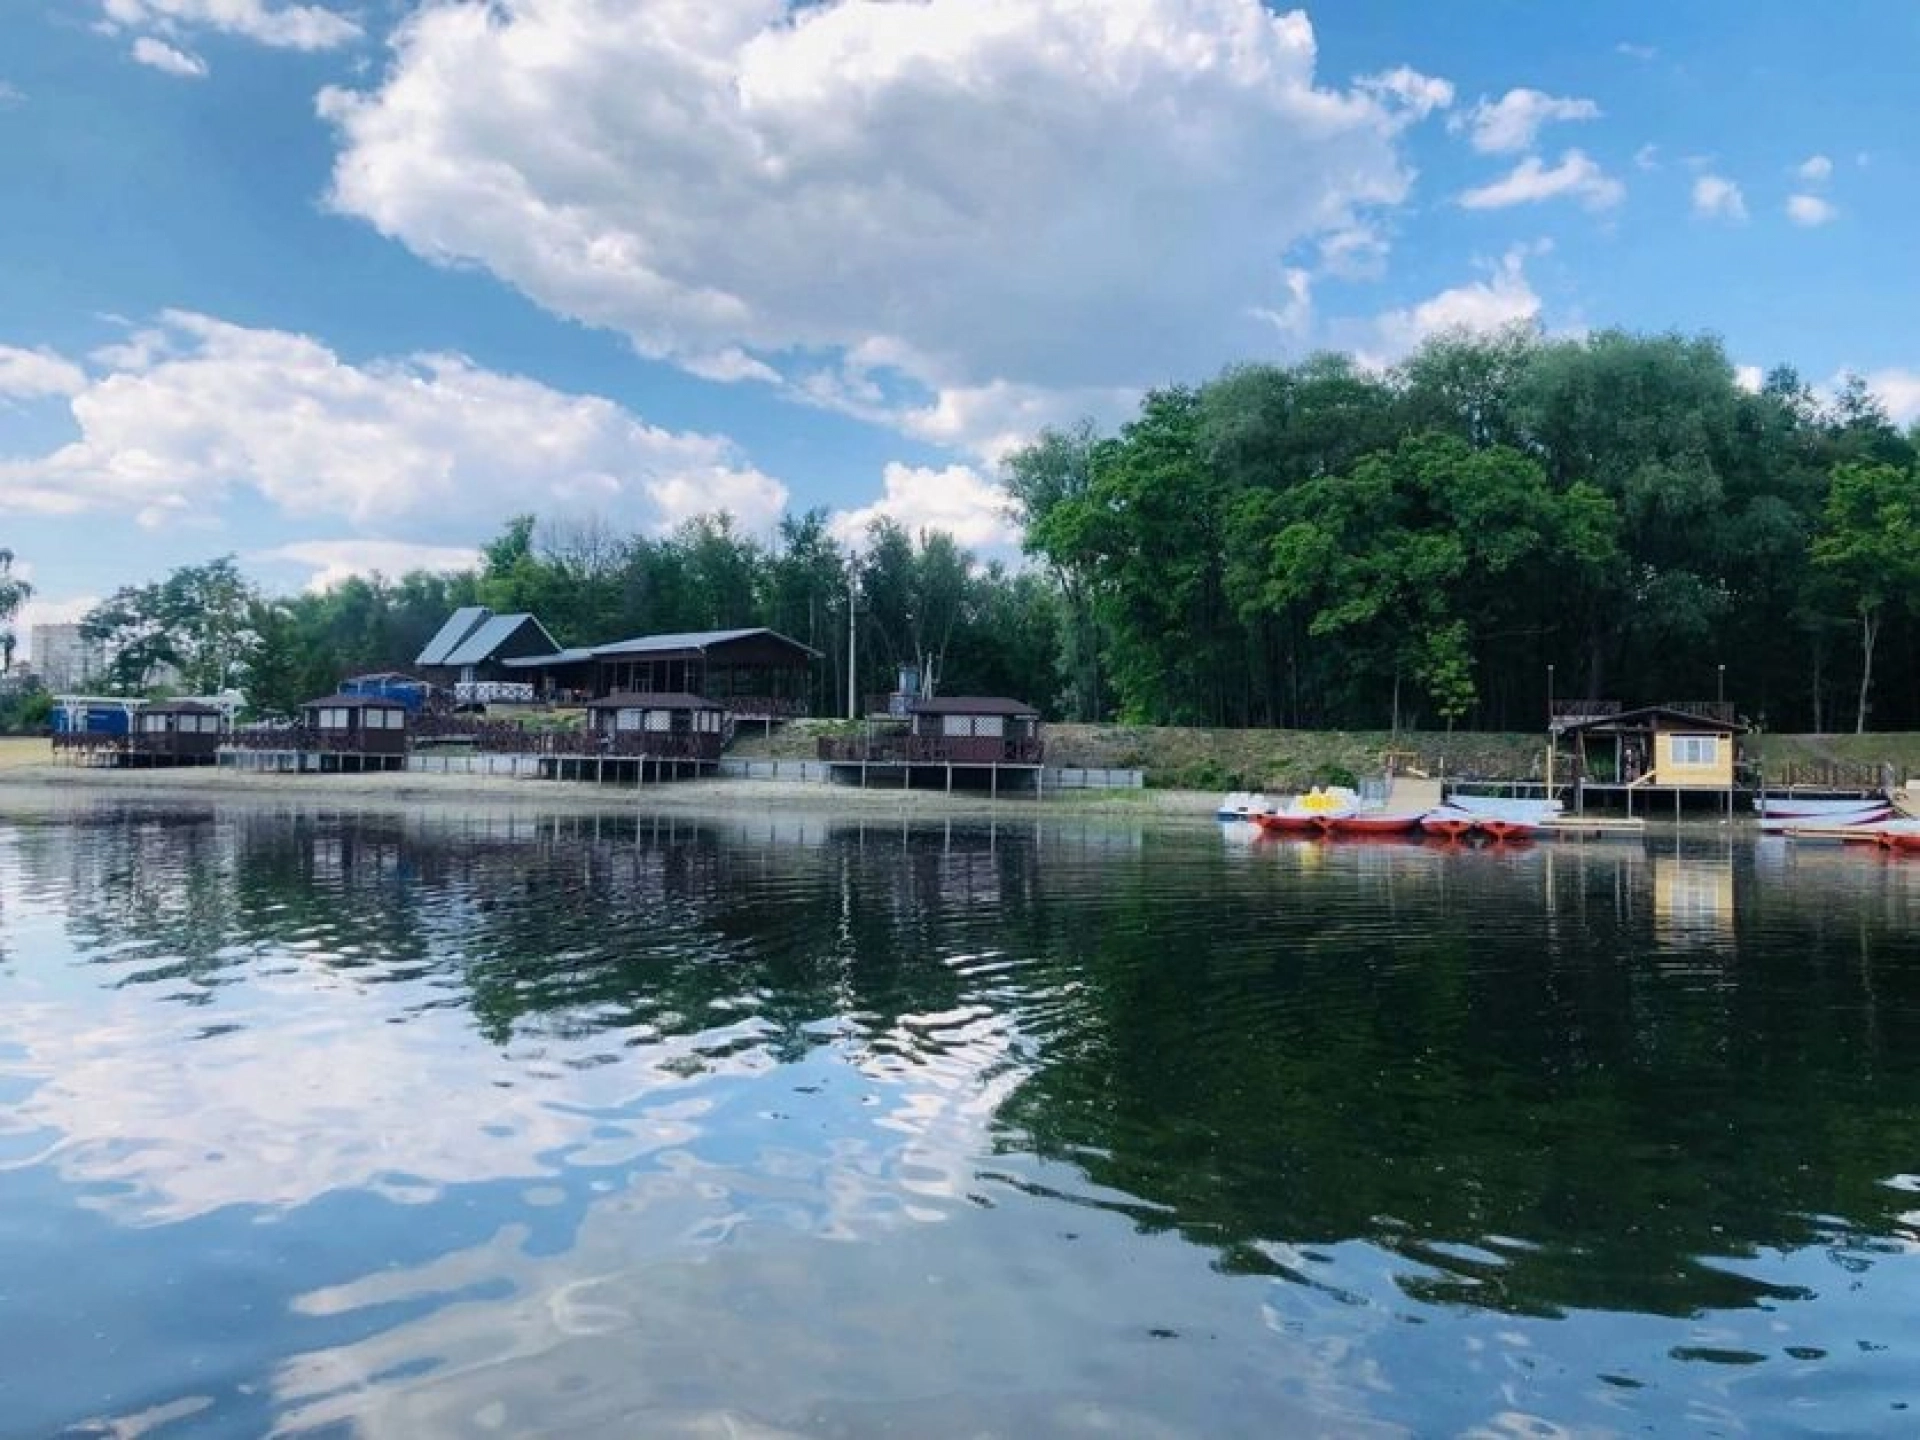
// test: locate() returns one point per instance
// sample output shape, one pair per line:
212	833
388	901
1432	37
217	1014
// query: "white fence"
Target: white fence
521	765
812	771
1073	777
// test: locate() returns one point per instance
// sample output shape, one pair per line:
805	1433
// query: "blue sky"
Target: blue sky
340	287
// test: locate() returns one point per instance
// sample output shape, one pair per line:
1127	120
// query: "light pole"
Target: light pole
853	630
1720	687
1551	735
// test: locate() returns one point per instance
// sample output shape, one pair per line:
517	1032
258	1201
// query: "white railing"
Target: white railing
492	692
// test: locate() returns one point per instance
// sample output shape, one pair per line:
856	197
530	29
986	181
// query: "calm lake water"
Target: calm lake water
353	1125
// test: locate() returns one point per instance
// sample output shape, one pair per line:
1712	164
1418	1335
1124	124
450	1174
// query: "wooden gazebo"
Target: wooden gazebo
174	732
354	732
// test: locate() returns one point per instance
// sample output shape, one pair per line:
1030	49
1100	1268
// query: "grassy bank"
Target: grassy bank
1283	760
1196	759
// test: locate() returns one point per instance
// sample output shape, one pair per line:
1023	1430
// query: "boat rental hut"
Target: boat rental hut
638	736
1679	748
973	739
175	732
353	732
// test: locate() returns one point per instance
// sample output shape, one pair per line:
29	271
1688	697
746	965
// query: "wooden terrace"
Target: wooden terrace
970	740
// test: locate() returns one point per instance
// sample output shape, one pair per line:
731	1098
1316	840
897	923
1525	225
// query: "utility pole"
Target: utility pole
853	629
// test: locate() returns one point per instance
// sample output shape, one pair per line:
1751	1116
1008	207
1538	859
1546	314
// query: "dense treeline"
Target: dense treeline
1320	545
1317	545
921	600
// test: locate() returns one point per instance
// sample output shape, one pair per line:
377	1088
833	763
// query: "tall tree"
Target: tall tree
198	621
1869	547
14	592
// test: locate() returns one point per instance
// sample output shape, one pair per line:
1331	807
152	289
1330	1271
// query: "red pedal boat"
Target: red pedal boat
1374	822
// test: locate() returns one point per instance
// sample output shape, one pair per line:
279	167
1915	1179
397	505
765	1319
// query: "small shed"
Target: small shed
1668	747
665	725
366	725
977	730
176	732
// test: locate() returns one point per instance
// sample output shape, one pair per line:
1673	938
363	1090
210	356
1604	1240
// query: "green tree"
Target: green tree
14	592
198	620
1868	546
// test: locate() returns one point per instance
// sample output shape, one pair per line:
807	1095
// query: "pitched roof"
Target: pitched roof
559	657
654	700
694	640
462	623
1689	719
354	702
972	705
479	646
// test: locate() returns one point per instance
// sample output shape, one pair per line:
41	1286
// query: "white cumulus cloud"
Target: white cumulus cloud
1512	123
1718	198
334	561
1748	378
161	56
206	408
289	27
38	374
1504	297
1815	169
1810	210
1076	194
1576	177
1899	391
956	499
1419	94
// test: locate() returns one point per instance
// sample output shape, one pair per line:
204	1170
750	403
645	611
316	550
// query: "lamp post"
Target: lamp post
853	630
1720	687
1551	735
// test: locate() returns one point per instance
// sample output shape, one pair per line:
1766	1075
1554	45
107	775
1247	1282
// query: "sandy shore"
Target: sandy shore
39	784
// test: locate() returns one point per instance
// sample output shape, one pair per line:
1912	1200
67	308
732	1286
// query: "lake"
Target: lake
503	1123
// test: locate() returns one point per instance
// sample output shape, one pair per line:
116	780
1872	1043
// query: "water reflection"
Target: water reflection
515	1122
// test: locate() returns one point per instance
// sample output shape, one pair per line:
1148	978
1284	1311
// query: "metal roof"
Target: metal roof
972	705
478	647
460	624
694	640
654	700
559	657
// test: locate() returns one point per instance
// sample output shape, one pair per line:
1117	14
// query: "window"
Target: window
333	717
627	719
1696	749
659	721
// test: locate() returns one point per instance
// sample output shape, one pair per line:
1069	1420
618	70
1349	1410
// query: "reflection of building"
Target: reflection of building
65	659
1693	897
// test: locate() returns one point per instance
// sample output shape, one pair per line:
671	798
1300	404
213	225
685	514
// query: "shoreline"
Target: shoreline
38	786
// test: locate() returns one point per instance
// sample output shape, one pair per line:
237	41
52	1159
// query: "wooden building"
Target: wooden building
752	674
470	654
660	726
124	732
635	737
971	739
1613	754
175	732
